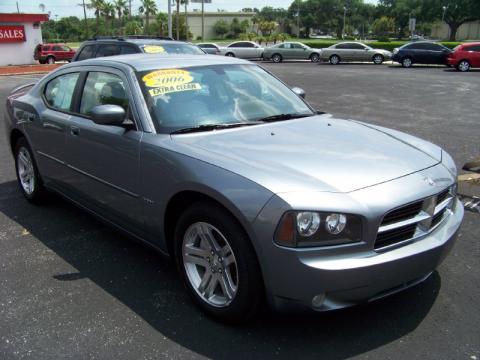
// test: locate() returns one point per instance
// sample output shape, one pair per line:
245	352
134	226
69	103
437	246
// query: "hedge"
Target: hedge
375	44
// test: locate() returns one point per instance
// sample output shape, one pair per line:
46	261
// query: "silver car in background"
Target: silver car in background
291	51
256	196
210	48
243	50
354	51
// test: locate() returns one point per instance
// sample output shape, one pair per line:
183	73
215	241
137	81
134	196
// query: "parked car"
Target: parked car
123	45
217	163
465	56
210	48
243	49
354	51
291	50
49	53
421	52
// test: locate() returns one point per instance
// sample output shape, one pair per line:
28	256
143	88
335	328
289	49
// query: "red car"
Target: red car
465	56
49	53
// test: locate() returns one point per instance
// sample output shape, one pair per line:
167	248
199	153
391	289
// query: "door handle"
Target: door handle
75	131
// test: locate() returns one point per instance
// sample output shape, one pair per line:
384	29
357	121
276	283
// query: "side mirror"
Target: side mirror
299	91
108	115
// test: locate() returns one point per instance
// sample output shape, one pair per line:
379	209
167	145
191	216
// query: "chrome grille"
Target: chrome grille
413	220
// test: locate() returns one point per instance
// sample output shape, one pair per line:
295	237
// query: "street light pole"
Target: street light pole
298	19
170	18
344	16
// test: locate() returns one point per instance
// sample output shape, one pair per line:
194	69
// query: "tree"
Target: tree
237	27
148	8
133	28
108	12
267	27
161	22
41	7
459	12
121	8
383	27
221	28
96	5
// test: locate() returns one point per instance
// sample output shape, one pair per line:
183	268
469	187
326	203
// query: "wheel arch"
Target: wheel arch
15	134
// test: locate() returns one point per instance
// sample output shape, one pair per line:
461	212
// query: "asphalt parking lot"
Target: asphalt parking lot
70	287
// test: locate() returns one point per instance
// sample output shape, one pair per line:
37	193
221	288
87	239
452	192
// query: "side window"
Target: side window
86	53
287	46
108	50
104	89
247	45
46	48
343	46
472	48
57	48
434	47
357	47
128	50
59	91
297	46
234	45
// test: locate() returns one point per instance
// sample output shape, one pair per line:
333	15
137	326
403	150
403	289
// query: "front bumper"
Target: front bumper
344	280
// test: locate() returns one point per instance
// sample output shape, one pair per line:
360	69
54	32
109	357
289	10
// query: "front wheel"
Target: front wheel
463	66
314	58
407	62
217	263
50	60
230	54
27	173
277	58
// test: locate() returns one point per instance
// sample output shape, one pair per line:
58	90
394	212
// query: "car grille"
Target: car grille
413	220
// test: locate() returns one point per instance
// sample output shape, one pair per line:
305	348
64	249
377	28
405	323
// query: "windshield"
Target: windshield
217	94
172	48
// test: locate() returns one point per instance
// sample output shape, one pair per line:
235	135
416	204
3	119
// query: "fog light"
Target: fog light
335	223
318	300
308	223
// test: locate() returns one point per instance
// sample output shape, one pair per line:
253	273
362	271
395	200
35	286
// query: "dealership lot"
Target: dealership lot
71	287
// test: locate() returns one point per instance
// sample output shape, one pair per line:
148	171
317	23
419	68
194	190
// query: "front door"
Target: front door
104	159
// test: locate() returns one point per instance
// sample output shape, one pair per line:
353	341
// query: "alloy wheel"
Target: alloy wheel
464	65
26	172
314	58
407	62
210	264
276	58
334	60
378	59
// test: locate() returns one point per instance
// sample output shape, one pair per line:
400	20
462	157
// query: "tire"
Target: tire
28	177
205	271
378	59
463	66
334	59
50	60
230	54
41	61
407	62
277	58
314	58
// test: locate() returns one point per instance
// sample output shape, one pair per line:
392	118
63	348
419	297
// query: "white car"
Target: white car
243	49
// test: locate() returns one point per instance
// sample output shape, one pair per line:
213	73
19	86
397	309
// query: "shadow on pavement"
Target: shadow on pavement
147	284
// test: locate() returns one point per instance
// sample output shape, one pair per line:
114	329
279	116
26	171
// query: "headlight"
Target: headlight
311	228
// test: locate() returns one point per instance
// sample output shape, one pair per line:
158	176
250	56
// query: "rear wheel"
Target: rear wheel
407	62
217	263
463	65
314	58
50	60
334	59
230	54
378	59
27	173
277	58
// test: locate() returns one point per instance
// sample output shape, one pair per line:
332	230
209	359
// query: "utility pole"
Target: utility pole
18	10
170	18
178	19
85	17
203	20
298	19
344	16
129	9
186	20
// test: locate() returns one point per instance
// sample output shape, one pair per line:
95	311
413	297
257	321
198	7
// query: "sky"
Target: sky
64	8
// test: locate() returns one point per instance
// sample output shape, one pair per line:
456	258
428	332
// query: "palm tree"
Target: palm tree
121	8
108	11
97	5
161	20
42	7
148	8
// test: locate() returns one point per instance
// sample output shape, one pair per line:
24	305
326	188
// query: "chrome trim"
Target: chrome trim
421	216
51	157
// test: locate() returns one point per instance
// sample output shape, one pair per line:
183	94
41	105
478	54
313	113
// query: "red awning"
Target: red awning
22	18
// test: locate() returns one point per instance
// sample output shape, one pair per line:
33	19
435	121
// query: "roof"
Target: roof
141	62
136	41
22	18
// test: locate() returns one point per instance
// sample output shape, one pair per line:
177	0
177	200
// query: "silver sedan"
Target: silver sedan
257	197
354	51
243	50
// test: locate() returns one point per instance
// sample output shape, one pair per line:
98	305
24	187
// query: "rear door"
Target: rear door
473	52
359	52
299	51
103	159
344	51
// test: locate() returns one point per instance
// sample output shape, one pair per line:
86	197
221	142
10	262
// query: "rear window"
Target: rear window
86	52
172	48
108	50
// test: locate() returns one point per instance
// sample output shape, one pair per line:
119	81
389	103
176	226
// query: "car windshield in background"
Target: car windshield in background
173	48
217	95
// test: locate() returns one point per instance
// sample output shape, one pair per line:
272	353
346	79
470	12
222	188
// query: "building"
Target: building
210	18
467	31
19	34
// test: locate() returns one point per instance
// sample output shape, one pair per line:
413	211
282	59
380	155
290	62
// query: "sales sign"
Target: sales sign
12	33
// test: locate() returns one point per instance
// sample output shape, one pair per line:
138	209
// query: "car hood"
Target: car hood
318	153
383	51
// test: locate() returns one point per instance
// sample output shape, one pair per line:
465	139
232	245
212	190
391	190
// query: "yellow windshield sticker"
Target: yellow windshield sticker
169	81
153	49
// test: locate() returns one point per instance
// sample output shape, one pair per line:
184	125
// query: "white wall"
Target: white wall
19	53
